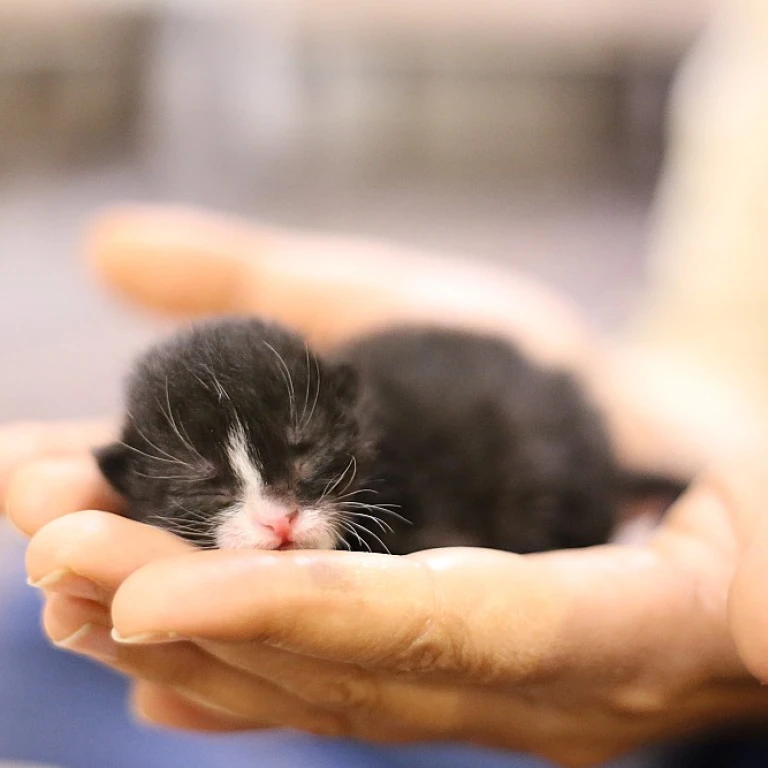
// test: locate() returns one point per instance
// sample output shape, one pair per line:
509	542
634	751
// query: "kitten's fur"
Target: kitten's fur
235	424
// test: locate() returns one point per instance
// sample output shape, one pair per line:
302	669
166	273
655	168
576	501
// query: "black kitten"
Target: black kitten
238	435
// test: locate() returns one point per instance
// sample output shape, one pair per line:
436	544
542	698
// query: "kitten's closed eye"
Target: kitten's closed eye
216	497
301	447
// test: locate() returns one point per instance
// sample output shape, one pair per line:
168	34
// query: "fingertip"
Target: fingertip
99	546
60	537
20	502
42	490
25	441
26	495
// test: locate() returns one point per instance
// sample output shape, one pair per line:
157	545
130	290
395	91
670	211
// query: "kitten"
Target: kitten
237	435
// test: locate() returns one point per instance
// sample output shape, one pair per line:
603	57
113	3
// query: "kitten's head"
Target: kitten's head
238	436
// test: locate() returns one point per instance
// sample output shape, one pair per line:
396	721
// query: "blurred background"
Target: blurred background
526	132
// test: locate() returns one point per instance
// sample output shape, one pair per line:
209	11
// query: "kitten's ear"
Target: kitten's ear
346	381
114	461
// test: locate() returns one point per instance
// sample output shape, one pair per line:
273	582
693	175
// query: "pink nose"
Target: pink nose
283	526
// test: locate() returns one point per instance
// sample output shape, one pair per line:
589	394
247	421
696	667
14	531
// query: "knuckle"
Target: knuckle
435	641
435	647
428	651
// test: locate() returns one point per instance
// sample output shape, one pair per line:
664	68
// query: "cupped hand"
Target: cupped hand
572	655
575	656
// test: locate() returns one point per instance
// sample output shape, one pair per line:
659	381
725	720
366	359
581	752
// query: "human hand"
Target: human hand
575	656
188	264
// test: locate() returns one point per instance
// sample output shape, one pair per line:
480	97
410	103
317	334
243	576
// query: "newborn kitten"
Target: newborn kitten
237	435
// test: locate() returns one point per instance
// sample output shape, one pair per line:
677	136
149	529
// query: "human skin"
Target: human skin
575	656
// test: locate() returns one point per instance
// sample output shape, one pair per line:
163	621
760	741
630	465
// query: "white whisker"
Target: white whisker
385	527
354	475
370	532
308	378
171	477
377	507
202	383
195	514
169	416
354	493
338	480
170	457
317	394
222	393
349	529
287	378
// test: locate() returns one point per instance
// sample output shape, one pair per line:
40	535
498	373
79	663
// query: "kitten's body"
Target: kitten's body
480	448
237	435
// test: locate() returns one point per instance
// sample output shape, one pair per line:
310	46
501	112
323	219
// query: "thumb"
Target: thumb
174	260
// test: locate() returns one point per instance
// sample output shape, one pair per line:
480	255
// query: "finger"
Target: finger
355	703
184	261
370	704
404	709
274	588
45	489
192	692
165	707
80	626
83	626
24	441
438	612
89	553
431	614
173	260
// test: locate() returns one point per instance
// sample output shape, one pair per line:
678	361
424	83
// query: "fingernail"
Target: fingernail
90	640
147	638
63	581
